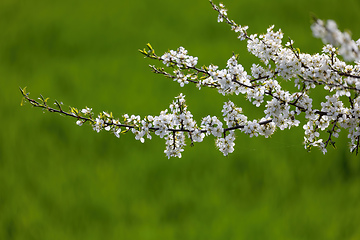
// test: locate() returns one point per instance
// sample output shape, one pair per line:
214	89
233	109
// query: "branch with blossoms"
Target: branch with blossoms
173	124
336	70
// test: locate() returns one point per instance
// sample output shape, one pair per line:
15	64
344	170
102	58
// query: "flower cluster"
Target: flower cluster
179	58
279	62
330	33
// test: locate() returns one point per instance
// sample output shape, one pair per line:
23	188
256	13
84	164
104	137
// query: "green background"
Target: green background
61	181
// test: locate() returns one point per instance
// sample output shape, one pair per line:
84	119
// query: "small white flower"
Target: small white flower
86	110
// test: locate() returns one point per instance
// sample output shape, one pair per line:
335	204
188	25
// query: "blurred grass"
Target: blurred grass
60	181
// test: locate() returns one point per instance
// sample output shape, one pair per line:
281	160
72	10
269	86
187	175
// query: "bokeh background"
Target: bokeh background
61	181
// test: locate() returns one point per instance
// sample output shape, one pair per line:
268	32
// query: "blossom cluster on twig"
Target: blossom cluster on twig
261	85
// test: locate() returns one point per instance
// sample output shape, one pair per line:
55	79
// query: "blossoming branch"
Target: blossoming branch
261	85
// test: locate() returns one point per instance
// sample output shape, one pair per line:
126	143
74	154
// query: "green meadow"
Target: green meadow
62	181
